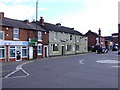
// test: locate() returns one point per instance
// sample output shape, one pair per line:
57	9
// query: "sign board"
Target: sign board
7	42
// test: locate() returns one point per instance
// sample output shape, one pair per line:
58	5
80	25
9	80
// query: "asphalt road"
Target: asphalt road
75	71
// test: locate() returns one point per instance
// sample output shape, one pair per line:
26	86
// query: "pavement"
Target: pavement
90	70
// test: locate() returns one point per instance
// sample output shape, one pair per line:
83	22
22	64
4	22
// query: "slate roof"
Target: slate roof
20	24
53	27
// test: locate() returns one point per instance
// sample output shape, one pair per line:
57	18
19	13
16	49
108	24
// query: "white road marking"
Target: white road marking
81	61
116	66
18	68
108	61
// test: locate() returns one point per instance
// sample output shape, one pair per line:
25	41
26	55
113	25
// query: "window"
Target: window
77	47
70	37
12	52
1	35
2	52
55	35
39	49
39	36
55	47
69	47
24	51
16	33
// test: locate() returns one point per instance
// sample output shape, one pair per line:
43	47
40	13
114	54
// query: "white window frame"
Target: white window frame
9	51
56	45
26	48
39	45
39	36
4	51
3	35
15	34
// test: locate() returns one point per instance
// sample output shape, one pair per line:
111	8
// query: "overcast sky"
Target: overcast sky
83	15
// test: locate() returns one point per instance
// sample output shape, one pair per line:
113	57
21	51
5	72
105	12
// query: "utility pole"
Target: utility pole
36	13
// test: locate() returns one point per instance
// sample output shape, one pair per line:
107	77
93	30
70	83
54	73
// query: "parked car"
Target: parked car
102	50
118	51
115	48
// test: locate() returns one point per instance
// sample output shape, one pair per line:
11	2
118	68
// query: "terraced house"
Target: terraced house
21	40
64	40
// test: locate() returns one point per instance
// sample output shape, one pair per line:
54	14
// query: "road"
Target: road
88	70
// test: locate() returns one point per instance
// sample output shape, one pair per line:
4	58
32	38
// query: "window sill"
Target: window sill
16	39
40	40
39	54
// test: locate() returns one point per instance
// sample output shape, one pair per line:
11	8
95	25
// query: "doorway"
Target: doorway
18	53
63	51
45	51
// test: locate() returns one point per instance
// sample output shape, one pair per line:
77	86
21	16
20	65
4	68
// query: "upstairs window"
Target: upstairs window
39	36
1	35
16	33
70	37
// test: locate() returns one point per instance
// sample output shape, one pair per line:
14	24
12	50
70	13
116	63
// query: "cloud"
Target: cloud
101	14
19	11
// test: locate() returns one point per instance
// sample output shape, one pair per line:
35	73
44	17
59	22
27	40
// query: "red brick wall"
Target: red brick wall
45	38
91	39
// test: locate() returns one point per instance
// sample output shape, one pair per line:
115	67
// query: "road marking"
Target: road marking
116	66
108	61
81	61
18	68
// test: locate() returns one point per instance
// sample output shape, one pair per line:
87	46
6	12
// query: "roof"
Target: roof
20	24
93	33
53	27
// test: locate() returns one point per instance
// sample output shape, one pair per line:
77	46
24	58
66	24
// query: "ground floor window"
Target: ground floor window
69	47
39	49
2	52
55	47
77	47
12	52
24	51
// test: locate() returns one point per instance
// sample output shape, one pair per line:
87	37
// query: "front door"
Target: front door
34	52
45	51
63	51
18	53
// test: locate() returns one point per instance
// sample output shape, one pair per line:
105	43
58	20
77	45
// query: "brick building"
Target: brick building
95	40
21	40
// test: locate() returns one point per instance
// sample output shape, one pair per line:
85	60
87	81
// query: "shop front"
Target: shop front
13	50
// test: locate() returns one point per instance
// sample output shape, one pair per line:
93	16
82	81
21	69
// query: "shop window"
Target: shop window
55	47
39	49
77	47
2	52
16	33
12	52
24	51
39	36
1	35
69	47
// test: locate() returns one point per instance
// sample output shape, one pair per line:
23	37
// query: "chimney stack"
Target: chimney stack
1	15
99	31
41	21
26	21
58	24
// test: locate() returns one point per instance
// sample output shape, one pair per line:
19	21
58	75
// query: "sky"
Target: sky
82	15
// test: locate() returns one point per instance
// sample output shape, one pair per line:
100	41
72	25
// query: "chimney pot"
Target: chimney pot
26	21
